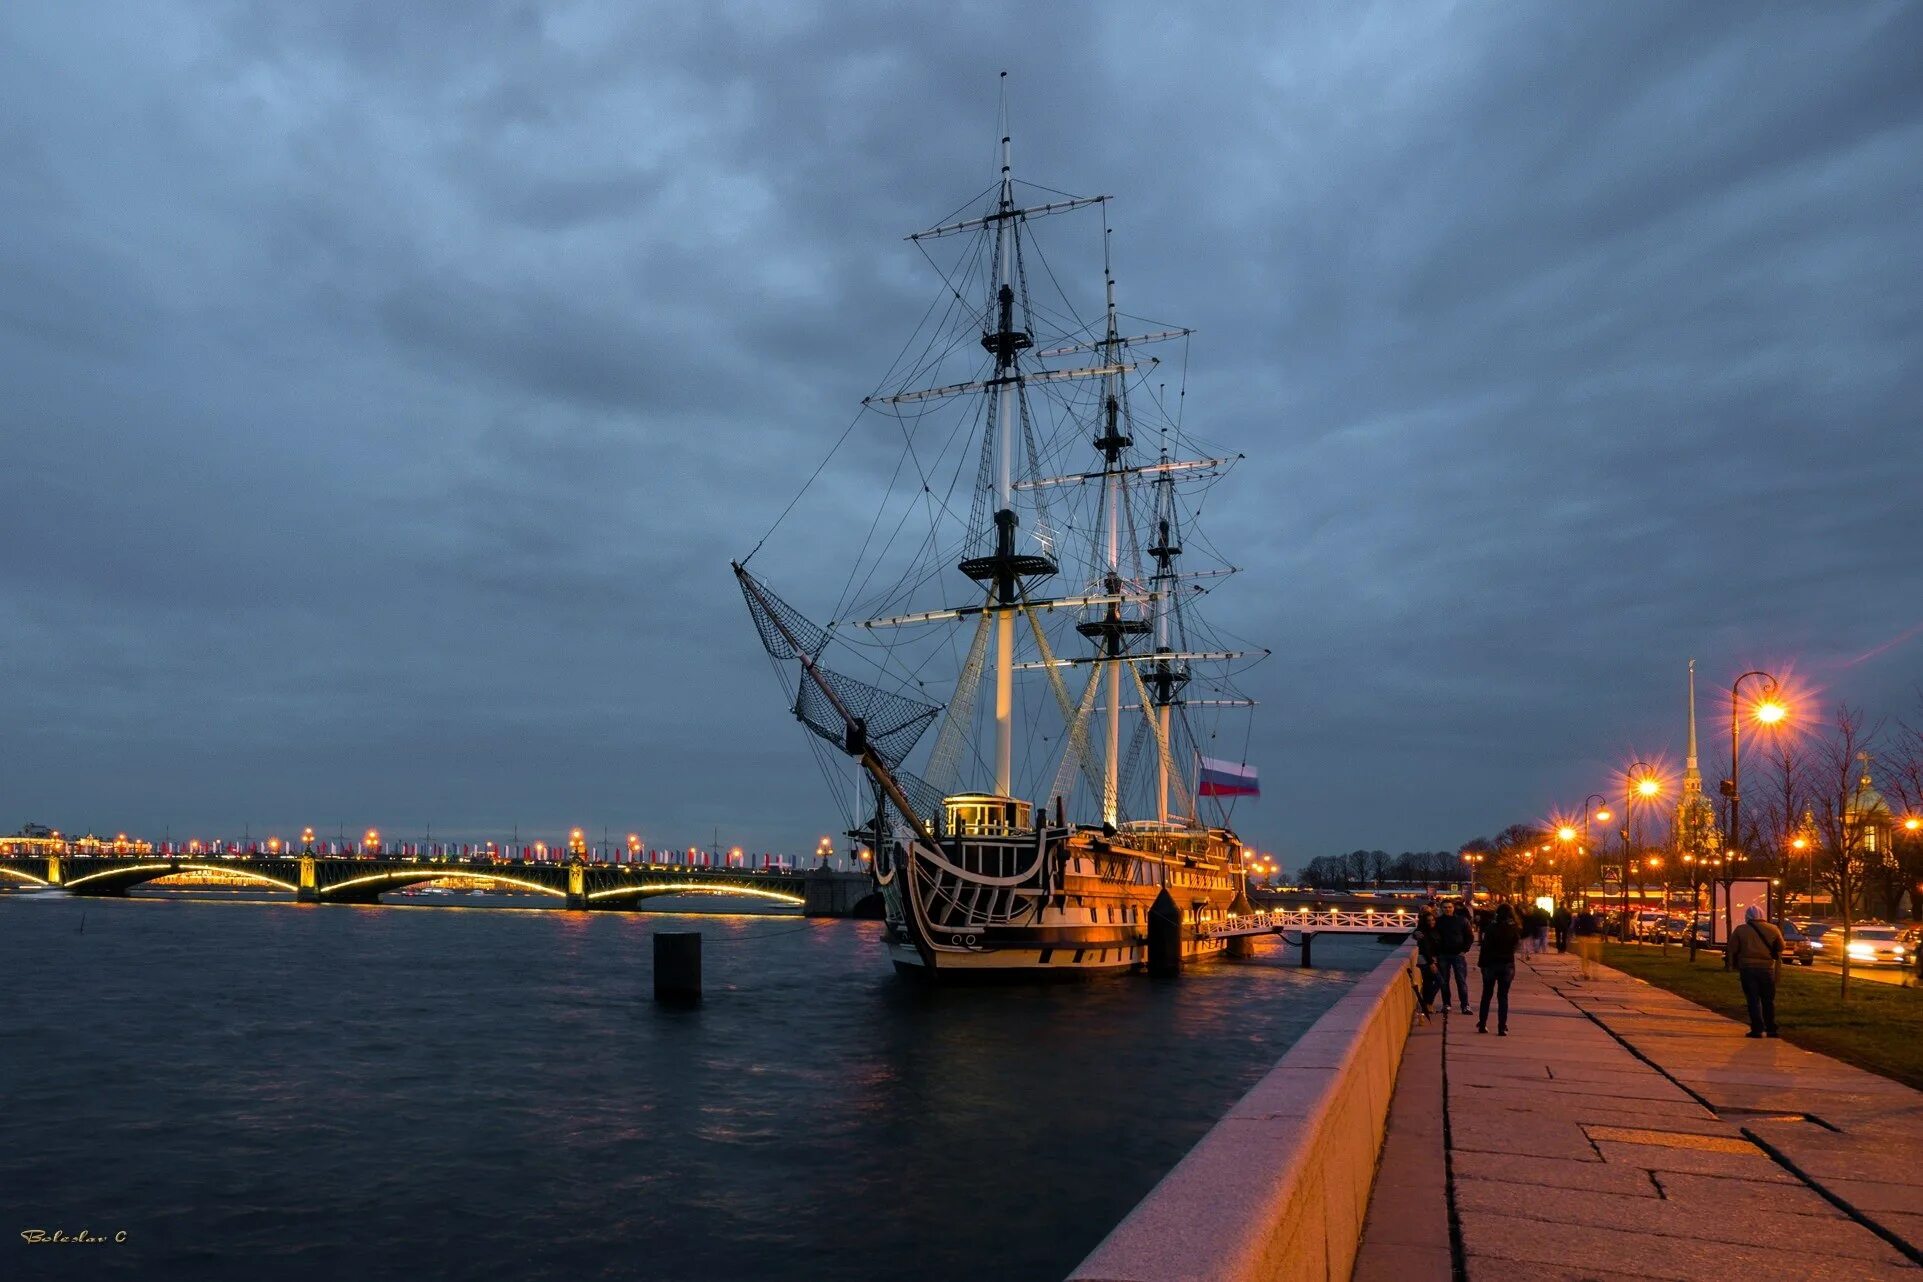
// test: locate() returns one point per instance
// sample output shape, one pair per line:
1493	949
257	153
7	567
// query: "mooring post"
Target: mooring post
677	967
1164	937
1241	945
1307	939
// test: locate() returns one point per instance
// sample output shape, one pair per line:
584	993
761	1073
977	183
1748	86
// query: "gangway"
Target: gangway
1306	924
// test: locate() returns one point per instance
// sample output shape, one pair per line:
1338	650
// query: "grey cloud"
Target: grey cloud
386	387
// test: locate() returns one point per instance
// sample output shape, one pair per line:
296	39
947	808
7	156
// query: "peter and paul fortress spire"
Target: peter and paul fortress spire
1692	776
1696	834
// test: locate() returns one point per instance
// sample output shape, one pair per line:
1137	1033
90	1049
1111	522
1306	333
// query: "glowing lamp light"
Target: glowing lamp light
1647	787
1604	815
1770	711
1565	833
1913	823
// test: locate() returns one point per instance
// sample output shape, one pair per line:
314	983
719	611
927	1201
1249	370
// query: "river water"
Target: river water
250	1089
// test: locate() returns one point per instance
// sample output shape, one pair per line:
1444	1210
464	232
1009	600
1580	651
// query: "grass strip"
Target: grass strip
1880	1028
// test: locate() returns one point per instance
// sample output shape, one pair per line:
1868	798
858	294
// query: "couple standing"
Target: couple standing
1442	953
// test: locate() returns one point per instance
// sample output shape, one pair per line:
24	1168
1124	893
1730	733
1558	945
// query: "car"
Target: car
1797	946
1877	946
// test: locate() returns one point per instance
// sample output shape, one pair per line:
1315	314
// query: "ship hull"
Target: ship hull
1049	905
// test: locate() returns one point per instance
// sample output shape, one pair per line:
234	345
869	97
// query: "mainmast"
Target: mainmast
1005	344
1111	630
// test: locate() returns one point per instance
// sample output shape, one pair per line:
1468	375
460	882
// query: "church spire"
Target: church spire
1692	776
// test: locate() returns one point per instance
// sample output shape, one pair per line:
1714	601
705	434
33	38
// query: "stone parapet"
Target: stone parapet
1278	1189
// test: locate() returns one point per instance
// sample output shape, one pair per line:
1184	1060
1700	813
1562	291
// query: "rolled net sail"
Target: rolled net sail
854	716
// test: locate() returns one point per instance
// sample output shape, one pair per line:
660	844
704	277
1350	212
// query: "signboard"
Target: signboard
1729	903
1612	876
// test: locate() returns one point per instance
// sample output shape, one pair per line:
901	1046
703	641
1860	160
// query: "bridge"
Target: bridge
1306	923
581	885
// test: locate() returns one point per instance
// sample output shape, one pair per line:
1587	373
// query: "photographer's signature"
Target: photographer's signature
60	1237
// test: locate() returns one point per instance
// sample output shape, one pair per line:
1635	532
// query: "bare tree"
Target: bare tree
1782	814
1902	763
1836	767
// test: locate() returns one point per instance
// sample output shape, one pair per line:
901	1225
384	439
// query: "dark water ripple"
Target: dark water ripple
258	1090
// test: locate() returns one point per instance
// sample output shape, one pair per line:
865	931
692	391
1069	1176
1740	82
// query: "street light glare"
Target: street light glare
1604	815
1566	833
1769	712
1648	787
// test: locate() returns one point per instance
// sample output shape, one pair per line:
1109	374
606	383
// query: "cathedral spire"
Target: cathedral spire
1692	776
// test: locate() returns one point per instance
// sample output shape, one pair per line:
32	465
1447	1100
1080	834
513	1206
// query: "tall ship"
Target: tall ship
1016	517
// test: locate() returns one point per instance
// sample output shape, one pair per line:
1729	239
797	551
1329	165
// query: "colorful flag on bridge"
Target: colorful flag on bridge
1227	779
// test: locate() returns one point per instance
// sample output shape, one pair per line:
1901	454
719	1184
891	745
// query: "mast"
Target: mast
1005	374
1164	678
1111	445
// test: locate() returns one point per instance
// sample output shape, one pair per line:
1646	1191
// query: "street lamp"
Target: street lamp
1769	710
1602	813
1639	782
823	849
1472	858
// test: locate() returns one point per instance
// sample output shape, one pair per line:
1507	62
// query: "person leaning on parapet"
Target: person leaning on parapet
1428	957
1586	933
1497	962
1756	954
1453	939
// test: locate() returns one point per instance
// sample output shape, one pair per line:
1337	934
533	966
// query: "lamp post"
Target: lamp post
1768	711
1472	858
1662	929
1602	813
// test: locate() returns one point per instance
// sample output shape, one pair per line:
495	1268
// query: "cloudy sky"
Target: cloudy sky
385	388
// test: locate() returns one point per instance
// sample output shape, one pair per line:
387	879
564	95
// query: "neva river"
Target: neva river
253	1089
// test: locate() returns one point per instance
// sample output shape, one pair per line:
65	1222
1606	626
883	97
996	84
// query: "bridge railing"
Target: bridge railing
1370	921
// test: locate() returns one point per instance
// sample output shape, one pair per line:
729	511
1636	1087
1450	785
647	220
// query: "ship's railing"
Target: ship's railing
1369	922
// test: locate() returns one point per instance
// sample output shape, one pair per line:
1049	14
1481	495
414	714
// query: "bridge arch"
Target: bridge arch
373	885
654	889
26	876
113	881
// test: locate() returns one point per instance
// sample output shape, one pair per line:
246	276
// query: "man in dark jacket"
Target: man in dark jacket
1454	938
1756	955
1497	962
1563	921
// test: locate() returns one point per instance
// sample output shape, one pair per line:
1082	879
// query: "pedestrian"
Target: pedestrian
1454	936
1756	954
1497	962
1538	928
1586	934
1428	957
1562	921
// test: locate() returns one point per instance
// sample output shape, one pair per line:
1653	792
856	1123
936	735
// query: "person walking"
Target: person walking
1562	921
1585	933
1428	958
1454	937
1497	962
1537	925
1756	955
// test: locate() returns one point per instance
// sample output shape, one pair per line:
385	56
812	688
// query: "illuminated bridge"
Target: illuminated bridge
322	879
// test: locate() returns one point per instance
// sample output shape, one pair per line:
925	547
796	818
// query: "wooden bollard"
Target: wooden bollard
677	967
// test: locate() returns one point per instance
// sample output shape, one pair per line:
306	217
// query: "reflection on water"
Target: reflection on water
256	1089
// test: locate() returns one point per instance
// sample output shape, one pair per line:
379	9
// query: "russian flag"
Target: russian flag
1227	779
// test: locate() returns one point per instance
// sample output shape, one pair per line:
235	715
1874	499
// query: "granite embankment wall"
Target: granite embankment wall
1279	1187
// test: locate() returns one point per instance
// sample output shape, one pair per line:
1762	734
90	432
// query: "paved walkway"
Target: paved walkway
1623	1132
